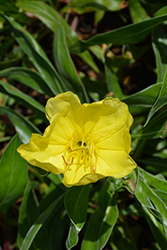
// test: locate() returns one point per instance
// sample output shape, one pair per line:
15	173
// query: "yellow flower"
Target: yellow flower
84	142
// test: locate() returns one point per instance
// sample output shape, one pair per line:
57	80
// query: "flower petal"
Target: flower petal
102	117
46	151
67	105
80	176
63	104
114	163
44	156
120	140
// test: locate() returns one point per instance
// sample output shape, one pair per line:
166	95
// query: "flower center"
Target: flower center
80	153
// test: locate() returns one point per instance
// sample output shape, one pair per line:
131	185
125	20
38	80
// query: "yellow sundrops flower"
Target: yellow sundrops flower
84	142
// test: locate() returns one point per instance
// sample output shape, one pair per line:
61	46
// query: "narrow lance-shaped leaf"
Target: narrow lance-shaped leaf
50	17
8	5
10	63
152	201
155	128
24	99
137	12
87	57
161	11
5	46
72	238
76	201
100	226
39	223
81	6
154	180
154	162
143	100
129	34
106	194
157	229
29	211
66	67
161	99
22	125
156	225
28	77
37	56
159	43
112	81
13	174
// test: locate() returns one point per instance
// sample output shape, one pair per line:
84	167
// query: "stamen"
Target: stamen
94	169
80	153
67	163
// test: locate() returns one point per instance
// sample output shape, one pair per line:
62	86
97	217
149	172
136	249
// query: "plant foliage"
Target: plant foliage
94	49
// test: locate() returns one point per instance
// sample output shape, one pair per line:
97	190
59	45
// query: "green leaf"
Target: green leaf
57	226
22	125
159	43
158	184
148	198
28	213
154	180
98	52
9	63
124	242
164	132
28	77
155	128
161	10
72	237
153	163
50	17
8	6
157	229
4	139
87	57
99	14
66	67
130	34
81	6
13	174
75	203
39	223
57	222
138	51
105	194
161	99
137	12
53	192
143	100
24	99
37	56
56	179
4	47
112	80
95	86
100	226
162	195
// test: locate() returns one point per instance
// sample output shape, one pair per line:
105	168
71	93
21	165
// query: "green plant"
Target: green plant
116	212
